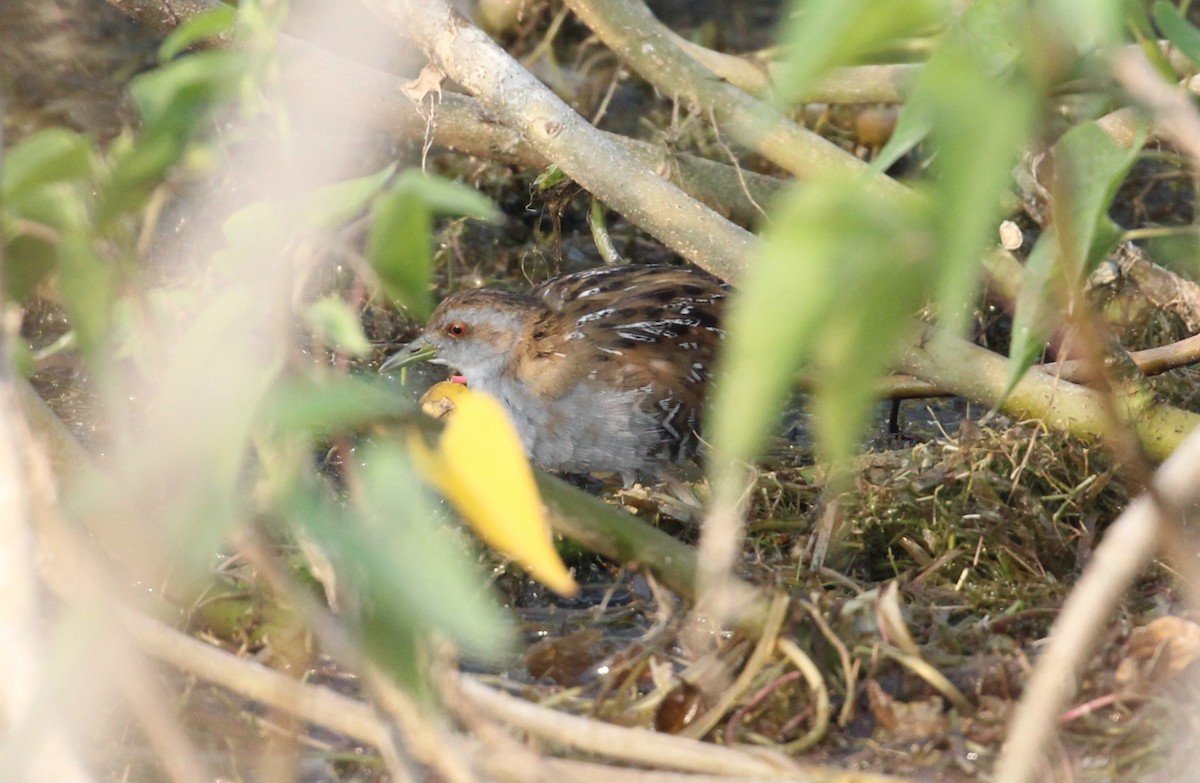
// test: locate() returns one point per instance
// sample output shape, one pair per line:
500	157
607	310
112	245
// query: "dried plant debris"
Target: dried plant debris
954	558
951	562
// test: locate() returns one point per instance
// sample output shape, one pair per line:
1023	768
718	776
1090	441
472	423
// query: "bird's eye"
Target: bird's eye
457	329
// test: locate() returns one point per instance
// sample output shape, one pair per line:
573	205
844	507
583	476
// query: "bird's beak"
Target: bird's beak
416	351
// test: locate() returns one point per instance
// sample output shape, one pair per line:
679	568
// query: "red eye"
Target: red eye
457	329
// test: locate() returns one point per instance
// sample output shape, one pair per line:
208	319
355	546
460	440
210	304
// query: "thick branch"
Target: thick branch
981	375
639	39
1152	361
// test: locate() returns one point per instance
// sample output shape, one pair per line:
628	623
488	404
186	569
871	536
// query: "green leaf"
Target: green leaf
335	324
333	405
22	357
60	210
86	280
1182	34
65	343
332	206
260	224
447	197
401	231
996	32
991	31
27	261
551	176
212	23
1088	168
320	209
46	157
1137	20
1088	24
838	278
88	286
981	121
1037	315
180	93
855	349
407	571
399	250
912	127
821	34
175	102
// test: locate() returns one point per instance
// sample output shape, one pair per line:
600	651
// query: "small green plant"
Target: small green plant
214	431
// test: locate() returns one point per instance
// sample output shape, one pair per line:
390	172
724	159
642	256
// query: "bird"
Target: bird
601	371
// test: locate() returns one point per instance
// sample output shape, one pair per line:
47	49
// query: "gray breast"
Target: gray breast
588	429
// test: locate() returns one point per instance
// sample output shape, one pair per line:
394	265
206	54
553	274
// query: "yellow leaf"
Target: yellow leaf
440	400
481	468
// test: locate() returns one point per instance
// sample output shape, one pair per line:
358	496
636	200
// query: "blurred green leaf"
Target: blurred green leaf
991	32
335	205
23	360
86	280
1088	169
995	32
204	25
1182	34
262	223
338	404
1177	251
855	349
1140	26
46	157
168	306
821	34
840	274
57	207
177	95
981	121
87	283
219	368
27	262
407	571
1089	24
335	324
63	344
175	101
320	209
45	182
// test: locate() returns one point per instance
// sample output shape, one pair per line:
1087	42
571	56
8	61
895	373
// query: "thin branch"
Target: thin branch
637	745
317	704
640	40
1161	287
